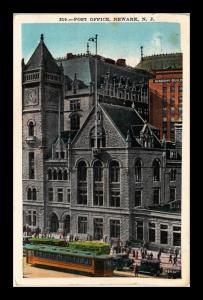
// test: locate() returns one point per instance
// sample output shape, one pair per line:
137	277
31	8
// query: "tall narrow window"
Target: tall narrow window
54	175
152	232
75	122
156	170
140	230
138	197
34	194
176	235
29	194
31	165
114	171
50	194
82	224
164	234
82	171
138	170
98	198
82	196
172	174
115	228
49	174
98	171
172	194
156	197
32	217
59	175
65	175
60	195
31	129
115	199
68	195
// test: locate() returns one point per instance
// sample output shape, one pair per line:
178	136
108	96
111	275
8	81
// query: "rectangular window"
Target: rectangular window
164	89
115	199
172	194
164	112
156	196
152	232
180	99
32	217
74	105
62	155
115	228
176	236
60	195
31	165
82	224
50	194
172	89
138	198
68	195
82	196
140	230
164	234
180	89
98	198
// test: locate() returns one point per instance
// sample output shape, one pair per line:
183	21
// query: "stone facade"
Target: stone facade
56	199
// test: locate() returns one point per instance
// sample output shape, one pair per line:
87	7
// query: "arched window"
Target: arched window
98	171
82	171
101	137
59	174
29	194
34	194
65	175
75	122
31	129
49	174
114	171
54	175
172	174
156	170
138	170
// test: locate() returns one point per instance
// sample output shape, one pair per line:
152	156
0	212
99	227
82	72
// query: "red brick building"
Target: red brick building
165	88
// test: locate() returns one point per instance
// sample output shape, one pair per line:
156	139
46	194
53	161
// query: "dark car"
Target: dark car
122	262
150	267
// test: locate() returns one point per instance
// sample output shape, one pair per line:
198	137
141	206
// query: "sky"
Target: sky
115	40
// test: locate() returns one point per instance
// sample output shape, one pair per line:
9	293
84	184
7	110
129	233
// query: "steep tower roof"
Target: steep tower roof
42	56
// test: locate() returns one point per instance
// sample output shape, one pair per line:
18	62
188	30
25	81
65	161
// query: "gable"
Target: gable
113	137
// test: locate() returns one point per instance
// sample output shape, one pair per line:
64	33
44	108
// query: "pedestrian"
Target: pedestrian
136	270
151	255
145	252
158	255
170	259
175	260
133	253
136	255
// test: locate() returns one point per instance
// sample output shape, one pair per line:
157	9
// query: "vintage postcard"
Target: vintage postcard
101	159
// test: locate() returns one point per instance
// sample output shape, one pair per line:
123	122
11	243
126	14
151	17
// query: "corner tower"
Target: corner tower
42	118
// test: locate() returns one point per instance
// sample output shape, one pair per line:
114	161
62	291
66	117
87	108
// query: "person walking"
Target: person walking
136	270
175	260
170	258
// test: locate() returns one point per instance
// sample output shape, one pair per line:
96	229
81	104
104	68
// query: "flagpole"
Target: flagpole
96	121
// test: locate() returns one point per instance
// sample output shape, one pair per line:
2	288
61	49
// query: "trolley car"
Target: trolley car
69	259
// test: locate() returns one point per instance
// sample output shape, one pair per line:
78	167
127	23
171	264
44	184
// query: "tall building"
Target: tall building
111	178
165	91
116	83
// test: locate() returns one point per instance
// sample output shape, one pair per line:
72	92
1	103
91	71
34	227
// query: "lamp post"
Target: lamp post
94	39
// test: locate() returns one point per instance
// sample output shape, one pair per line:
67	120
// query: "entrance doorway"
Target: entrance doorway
98	228
54	223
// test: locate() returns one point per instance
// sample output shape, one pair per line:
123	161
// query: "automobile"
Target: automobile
150	267
122	262
173	273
